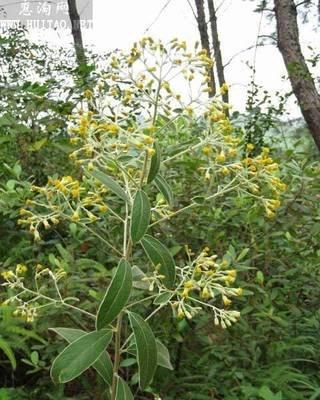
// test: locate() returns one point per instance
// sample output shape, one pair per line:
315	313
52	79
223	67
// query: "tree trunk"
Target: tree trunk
302	82
204	38
76	32
217	48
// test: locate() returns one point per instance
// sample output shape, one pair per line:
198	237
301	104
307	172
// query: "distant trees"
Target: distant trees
302	82
211	44
76	32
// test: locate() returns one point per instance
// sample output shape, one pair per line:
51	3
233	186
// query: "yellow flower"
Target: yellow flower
225	171
207	150
221	157
188	284
75	217
250	147
75	192
269	213
103	208
112	128
224	89
88	94
23	211
54	220
226	300
180	313
231	276
205	294
150	151
36	236
232	152
239	292
185	292
46	224
21	269
39	267
7	275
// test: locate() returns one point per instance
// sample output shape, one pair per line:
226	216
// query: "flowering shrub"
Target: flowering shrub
122	195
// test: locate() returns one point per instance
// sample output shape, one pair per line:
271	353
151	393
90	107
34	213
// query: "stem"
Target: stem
116	358
101	238
144	169
126	254
227	189
54	301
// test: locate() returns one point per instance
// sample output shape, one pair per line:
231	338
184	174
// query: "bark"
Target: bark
76	32
204	38
302	82
217	47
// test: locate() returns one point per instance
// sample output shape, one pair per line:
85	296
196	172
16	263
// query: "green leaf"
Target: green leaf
117	295
155	163
161	258
34	357
162	298
243	253
37	145
5	347
146	349
79	356
164	188
267	394
103	365
123	391
110	184
163	356
137	277
140	217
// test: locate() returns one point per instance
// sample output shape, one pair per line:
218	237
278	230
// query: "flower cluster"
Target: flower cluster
256	176
65	199
201	283
28	302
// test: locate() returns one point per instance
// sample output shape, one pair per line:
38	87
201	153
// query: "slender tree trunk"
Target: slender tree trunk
204	38
300	77
76	32
217	48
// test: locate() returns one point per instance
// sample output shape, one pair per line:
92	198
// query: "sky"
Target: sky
118	23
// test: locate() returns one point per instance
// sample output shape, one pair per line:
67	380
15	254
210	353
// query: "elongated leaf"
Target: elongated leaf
140	216
79	356
162	298
164	188
117	295
155	163
110	184
146	349
163	356
103	365
5	347
123	391
137	277
160	257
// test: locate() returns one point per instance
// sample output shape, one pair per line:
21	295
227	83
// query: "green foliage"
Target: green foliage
117	295
160	257
79	355
146	349
188	179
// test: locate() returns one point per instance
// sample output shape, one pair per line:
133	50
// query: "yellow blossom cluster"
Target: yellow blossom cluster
62	199
228	160
203	280
26	301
